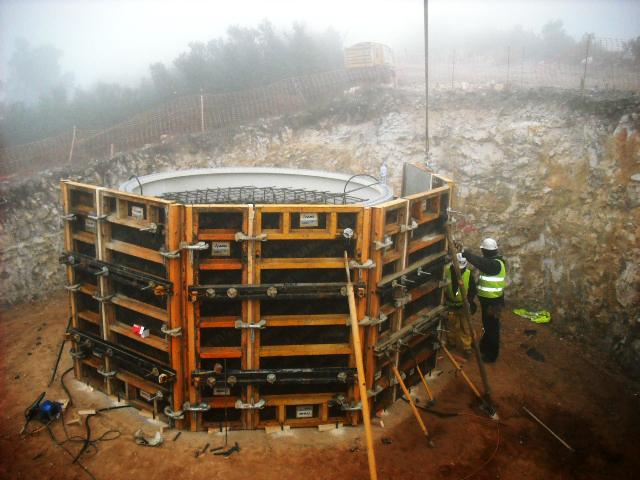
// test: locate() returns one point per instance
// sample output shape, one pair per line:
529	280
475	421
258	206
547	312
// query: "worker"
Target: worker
458	334
491	283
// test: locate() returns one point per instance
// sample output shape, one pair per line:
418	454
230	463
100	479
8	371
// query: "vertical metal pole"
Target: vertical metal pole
426	77
453	67
508	64
201	111
73	142
586	62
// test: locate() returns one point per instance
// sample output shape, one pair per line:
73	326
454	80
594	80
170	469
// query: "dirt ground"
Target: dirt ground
584	400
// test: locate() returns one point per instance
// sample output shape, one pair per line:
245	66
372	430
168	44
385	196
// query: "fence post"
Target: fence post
522	69
583	81
508	64
73	142
111	151
453	67
202	111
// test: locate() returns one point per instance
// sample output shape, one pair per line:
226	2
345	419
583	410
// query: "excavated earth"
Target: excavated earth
583	398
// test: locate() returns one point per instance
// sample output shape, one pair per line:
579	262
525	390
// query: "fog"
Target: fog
115	41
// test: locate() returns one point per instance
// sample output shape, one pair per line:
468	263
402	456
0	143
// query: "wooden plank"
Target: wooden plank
89	316
221	401
88	289
304	350
86	237
134	197
217	234
135	251
151	340
220	352
305	320
190	312
140	382
140	307
293	263
220	264
128	221
218	322
431	193
426	241
298	399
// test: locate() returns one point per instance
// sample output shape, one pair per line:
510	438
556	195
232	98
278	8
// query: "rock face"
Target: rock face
553	176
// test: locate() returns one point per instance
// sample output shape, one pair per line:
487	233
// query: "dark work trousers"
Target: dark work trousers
490	341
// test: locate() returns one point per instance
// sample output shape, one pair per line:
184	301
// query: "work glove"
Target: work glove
473	308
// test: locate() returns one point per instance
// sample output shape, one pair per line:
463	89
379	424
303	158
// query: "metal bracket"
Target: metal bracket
105	374
77	355
368	265
409	228
250	406
73	288
373	393
241	237
402	301
152	228
174	332
71	217
259	326
351	407
97	218
199	407
105	299
388	242
171	255
103	272
366	321
195	246
421	272
179	415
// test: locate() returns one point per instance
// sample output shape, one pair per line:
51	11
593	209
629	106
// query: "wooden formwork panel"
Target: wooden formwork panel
134	263
408	247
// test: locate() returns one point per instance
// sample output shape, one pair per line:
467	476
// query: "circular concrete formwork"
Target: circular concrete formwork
364	188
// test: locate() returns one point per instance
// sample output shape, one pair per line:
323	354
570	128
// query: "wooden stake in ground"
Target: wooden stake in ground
357	352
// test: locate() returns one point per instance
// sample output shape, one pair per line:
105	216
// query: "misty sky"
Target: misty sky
116	40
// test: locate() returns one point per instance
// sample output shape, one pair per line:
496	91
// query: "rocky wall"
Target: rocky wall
552	175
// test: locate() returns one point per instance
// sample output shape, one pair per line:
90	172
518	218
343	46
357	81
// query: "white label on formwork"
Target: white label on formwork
137	212
218	391
90	225
146	395
304	411
220	249
377	375
308	219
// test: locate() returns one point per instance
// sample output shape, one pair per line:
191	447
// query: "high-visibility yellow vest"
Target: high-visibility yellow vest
492	286
456	300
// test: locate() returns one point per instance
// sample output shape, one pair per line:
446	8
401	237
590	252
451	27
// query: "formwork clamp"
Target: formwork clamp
73	288
70	217
241	237
388	242
409	228
105	373
369	321
170	254
260	325
259	405
151	228
368	265
352	407
105	299
198	407
172	414
375	391
103	272
194	246
97	218
174	332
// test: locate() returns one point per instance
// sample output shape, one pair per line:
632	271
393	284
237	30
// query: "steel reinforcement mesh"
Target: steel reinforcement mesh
262	195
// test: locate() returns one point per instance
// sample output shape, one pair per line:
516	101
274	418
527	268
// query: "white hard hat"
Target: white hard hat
461	260
489	244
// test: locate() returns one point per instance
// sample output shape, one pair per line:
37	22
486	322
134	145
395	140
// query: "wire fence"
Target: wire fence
592	64
184	115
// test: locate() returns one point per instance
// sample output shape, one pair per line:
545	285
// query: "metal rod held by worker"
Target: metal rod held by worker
362	385
405	390
547	428
467	315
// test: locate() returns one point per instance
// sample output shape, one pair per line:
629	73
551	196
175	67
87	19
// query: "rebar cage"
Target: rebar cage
236	313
